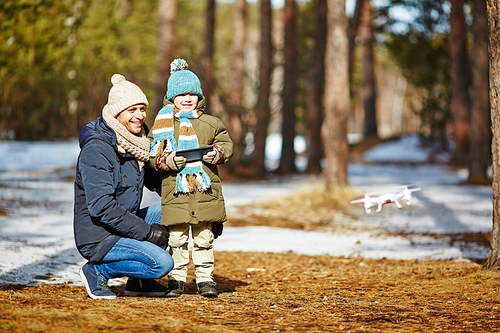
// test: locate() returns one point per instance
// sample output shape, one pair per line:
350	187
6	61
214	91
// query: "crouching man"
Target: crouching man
116	237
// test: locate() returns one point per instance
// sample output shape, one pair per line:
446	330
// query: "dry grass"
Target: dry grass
262	292
313	198
312	208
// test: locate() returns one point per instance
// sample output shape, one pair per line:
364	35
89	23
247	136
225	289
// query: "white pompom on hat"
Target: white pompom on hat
122	95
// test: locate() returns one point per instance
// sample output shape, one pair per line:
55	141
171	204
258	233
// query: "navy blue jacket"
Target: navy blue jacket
108	193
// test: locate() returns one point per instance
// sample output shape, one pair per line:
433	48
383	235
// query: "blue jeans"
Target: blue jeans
137	259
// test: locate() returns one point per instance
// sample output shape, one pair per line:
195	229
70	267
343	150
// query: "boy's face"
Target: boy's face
186	102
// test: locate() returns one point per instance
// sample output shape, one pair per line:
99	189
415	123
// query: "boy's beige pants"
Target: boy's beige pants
203	254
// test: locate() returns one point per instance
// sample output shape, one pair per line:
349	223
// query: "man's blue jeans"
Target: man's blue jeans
137	259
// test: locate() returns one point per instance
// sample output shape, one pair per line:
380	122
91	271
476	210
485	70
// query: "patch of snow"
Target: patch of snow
22	155
405	150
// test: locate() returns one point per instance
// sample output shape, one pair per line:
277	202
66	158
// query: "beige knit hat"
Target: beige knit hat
122	94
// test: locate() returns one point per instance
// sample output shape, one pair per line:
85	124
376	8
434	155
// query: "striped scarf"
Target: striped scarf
192	177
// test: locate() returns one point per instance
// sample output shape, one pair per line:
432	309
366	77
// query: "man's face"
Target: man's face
186	102
133	118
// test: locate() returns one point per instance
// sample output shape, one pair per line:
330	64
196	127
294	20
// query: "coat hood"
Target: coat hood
97	129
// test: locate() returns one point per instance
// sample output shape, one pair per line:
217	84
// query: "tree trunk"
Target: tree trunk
493	8
480	140
314	97
369	88
460	100
167	11
208	51
262	108
353	32
287	161
235	125
336	96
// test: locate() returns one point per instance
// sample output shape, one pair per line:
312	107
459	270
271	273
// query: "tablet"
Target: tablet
194	154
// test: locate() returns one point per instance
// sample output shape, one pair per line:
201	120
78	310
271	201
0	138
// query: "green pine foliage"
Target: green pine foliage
34	50
421	49
425	63
305	26
114	37
189	34
57	57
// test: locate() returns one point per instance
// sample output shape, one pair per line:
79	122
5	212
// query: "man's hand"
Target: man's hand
217	229
170	161
214	156
158	235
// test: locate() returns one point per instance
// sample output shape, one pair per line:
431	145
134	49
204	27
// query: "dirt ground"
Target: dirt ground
263	292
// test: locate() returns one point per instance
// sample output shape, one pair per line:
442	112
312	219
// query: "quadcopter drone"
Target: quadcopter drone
381	198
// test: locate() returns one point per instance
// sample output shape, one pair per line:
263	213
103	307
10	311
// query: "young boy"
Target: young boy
191	191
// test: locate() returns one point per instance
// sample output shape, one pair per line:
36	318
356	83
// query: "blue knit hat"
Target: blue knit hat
182	80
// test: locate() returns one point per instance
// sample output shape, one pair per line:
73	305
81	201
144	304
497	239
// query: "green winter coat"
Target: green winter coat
196	207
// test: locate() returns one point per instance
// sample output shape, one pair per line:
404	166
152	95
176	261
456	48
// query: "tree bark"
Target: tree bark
235	124
334	128
287	161
262	107
369	87
314	97
460	100
480	140
353	32
493	8
208	51
167	11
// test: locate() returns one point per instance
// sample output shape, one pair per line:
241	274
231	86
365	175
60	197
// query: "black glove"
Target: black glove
158	235
217	229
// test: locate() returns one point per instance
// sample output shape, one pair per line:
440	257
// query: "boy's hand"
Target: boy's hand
178	161
169	161
214	156
209	157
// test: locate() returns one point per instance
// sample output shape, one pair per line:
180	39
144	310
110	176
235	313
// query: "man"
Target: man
110	231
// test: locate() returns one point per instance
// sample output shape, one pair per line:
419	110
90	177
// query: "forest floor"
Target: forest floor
269	292
283	292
